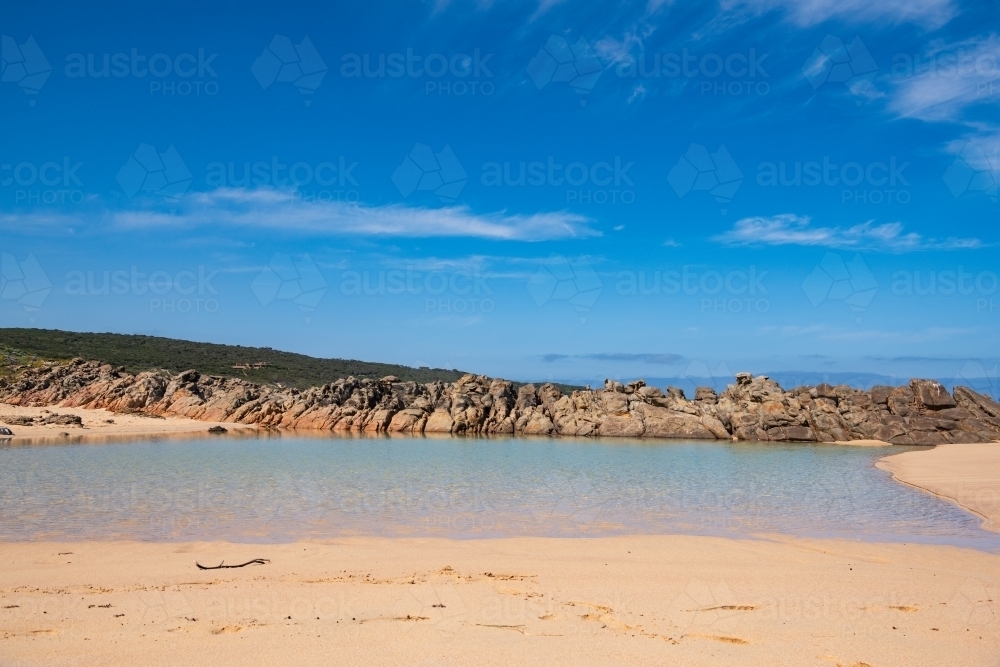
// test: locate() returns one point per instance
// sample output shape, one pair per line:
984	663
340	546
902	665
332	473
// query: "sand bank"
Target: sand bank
526	601
863	443
968	475
98	424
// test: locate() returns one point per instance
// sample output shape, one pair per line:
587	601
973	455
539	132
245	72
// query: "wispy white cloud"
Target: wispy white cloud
468	264
805	13
956	83
543	7
282	210
638	93
42	222
512	267
949	82
614	50
653	6
630	41
791	229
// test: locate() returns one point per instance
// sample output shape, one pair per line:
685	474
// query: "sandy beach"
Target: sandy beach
624	600
683	600
967	475
101	424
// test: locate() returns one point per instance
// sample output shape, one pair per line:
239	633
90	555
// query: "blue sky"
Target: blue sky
534	190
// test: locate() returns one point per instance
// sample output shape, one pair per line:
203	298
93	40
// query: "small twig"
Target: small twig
222	565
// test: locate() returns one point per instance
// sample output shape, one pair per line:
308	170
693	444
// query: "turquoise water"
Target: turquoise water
282	488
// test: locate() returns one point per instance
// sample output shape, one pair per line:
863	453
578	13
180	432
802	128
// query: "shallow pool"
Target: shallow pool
287	487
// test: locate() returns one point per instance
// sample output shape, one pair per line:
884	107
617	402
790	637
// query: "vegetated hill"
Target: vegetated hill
143	353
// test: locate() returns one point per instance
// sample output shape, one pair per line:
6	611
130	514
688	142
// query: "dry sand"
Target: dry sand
650	600
100	424
968	475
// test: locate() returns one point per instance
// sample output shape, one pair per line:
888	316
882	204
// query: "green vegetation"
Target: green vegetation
143	353
19	347
11	359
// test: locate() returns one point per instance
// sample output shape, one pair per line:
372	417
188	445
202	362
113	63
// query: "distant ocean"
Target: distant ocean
792	379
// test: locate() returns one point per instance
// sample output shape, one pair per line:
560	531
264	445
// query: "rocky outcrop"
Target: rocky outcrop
43	420
752	408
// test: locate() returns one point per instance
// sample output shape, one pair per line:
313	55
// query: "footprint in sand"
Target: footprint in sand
44	632
729	607
721	638
405	619
227	630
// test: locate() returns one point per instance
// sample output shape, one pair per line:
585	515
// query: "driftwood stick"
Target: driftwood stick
222	565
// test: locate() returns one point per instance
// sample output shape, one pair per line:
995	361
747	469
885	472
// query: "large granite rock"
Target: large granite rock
752	408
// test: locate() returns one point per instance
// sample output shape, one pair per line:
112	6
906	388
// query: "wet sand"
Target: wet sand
967	475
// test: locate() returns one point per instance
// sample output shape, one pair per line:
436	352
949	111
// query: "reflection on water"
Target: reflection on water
282	488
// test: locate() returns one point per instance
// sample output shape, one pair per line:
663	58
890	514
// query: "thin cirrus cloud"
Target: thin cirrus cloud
280	210
806	13
791	229
949	82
